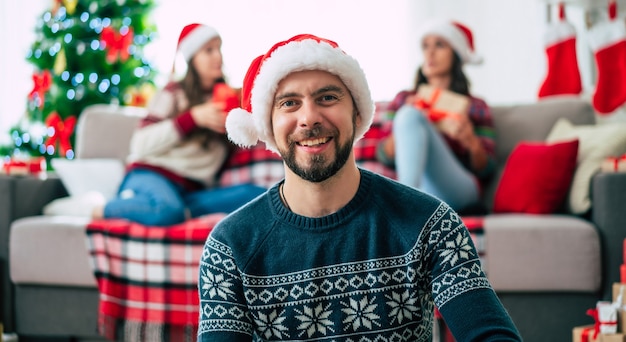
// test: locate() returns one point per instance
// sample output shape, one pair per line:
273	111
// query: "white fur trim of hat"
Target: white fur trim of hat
252	122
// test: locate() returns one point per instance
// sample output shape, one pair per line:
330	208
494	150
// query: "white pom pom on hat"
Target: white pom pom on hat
458	35
193	37
252	122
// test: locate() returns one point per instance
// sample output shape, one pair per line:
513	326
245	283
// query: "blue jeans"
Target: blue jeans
149	198
424	161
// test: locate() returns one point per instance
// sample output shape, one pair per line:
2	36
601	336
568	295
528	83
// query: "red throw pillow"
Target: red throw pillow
536	178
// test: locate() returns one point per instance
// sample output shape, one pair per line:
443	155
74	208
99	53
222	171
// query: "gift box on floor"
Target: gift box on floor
439	103
619	292
584	333
611	338
614	164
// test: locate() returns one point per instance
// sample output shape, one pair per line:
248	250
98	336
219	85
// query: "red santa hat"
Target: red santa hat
193	37
458	35
252	122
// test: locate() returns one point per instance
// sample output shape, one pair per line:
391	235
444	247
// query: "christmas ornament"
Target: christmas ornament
116	43
140	96
70	6
42	83
61	132
56	4
560	45
60	63
608	43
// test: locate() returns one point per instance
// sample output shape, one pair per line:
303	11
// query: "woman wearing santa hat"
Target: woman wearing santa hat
451	158
181	145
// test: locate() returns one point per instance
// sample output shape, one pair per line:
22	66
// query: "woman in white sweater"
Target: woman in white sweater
180	146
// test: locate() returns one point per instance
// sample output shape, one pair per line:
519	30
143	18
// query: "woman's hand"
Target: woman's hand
209	115
459	128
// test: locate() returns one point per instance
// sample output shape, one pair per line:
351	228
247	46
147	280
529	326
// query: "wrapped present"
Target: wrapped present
619	300
440	103
605	317
585	333
614	164
612	338
32	166
224	94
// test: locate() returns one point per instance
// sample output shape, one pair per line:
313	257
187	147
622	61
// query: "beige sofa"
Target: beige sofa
547	269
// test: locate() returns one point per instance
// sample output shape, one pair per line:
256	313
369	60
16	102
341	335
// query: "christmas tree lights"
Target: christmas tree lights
86	52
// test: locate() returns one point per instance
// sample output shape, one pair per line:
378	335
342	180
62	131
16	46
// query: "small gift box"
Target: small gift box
24	166
224	94
585	333
614	164
439	103
619	294
606	317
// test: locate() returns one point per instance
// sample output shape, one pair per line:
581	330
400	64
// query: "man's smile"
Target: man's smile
314	142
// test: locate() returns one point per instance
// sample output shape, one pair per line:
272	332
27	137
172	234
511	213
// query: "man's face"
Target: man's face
313	121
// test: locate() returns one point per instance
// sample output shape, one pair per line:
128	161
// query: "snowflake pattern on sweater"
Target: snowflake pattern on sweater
373	271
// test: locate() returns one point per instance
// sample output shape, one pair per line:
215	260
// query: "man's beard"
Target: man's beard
318	171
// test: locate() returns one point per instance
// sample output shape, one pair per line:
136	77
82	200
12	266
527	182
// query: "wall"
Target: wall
380	34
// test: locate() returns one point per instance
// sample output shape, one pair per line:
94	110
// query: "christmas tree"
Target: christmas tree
86	52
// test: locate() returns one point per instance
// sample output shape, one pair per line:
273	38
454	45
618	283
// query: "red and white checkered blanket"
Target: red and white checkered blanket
148	276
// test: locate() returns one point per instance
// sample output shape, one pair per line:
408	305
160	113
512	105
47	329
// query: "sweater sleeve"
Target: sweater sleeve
223	312
163	127
461	290
478	315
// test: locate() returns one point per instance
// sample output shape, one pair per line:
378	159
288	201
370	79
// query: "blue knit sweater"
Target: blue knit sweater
373	271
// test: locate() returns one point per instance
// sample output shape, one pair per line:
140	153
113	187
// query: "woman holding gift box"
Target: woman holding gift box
181	145
442	143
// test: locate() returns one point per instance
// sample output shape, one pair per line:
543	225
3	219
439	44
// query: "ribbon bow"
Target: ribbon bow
615	161
596	326
42	83
116	43
434	115
63	130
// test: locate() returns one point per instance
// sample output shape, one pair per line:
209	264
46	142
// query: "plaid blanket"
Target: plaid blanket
148	276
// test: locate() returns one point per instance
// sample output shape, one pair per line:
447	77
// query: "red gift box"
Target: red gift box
24	167
224	94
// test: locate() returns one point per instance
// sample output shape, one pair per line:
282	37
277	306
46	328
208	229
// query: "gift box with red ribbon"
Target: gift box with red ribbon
585	333
614	164
440	103
31	166
619	300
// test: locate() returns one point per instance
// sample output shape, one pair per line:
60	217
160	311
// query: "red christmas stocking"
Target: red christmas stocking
608	43
563	75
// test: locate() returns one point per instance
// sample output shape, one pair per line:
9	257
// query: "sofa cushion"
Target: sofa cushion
596	143
81	176
50	251
542	253
531	122
536	178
